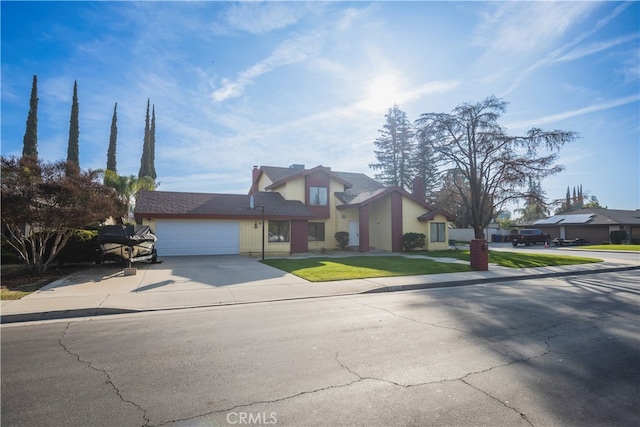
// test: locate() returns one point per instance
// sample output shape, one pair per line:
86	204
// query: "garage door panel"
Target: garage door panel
177	237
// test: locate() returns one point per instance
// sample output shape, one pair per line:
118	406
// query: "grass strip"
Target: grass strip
635	248
362	267
517	259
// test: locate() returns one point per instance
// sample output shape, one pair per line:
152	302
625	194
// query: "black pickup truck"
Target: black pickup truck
530	236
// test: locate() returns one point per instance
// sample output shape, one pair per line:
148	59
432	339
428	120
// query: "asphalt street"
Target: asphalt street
539	352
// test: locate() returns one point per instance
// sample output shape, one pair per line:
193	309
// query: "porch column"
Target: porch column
363	218
396	222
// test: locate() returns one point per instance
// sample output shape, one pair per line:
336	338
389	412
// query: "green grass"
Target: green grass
362	267
518	259
612	247
6	294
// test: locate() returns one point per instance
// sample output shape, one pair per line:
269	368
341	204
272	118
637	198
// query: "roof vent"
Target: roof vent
296	166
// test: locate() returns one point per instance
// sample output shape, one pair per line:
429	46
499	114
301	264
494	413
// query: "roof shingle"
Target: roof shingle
154	203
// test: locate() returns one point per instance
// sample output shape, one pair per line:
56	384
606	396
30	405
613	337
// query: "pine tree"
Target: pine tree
113	138
73	150
152	144
145	169
535	206
425	167
395	147
30	141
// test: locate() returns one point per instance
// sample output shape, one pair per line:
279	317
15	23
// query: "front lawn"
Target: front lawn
635	248
517	259
362	267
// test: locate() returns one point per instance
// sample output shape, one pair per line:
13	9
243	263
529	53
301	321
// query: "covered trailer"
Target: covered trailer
131	243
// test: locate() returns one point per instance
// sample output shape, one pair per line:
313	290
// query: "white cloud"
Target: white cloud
574	113
262	17
558	53
294	50
524	26
590	49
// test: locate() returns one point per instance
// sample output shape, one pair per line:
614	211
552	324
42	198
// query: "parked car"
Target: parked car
530	236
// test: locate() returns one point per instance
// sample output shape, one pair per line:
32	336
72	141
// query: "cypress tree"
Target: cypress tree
152	144
145	169
113	137
73	150
30	141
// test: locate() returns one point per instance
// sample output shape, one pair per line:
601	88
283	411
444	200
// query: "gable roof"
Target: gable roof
431	215
360	183
355	183
279	176
368	197
360	189
161	204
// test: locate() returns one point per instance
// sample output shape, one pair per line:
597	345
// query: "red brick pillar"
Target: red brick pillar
479	255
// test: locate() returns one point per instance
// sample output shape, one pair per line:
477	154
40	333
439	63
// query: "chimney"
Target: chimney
296	166
254	180
417	188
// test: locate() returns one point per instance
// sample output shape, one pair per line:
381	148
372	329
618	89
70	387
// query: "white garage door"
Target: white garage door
198	237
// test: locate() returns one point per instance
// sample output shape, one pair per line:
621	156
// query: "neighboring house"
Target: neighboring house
302	208
592	224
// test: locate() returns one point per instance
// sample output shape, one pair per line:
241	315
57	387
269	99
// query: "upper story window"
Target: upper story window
318	196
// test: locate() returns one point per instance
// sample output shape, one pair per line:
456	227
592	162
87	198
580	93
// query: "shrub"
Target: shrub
412	241
342	237
617	237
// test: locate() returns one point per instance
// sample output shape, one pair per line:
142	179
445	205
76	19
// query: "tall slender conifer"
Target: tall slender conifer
30	141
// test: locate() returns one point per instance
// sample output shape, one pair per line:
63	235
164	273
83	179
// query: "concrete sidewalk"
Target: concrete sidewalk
179	283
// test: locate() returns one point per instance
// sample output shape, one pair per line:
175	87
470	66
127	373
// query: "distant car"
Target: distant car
530	236
566	242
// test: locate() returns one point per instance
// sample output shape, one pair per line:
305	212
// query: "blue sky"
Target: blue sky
276	83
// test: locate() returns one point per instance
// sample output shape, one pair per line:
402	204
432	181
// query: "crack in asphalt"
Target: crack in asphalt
104	372
277	400
523	416
461	379
464	379
509	349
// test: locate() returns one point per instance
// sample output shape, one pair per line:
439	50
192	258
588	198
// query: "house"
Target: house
592	224
302	209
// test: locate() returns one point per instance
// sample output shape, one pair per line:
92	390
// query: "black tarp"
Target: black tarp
129	235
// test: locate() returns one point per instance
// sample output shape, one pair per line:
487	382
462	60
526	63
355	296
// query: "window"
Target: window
278	231
318	196
437	232
316	231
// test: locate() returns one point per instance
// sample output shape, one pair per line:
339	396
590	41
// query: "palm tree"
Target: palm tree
127	188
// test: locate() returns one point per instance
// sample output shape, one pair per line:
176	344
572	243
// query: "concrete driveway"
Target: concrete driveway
176	282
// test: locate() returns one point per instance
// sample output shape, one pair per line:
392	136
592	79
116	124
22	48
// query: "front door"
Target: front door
354	233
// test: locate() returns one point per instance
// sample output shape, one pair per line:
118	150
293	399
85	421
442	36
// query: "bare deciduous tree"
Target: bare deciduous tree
496	166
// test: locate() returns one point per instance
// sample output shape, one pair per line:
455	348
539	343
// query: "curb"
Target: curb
64	314
456	283
103	311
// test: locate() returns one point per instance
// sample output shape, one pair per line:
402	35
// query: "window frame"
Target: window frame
316	193
284	232
438	227
315	226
